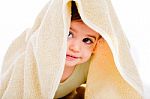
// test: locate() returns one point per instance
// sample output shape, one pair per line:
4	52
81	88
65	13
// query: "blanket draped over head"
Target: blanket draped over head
34	63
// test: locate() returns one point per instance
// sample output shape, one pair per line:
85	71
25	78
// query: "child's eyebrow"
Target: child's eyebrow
72	29
86	35
91	36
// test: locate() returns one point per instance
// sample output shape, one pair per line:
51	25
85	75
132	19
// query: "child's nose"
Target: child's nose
75	46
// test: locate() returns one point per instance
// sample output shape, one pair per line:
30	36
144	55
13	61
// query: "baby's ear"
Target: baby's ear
94	50
97	44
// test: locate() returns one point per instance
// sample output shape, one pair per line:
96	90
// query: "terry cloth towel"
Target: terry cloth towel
34	62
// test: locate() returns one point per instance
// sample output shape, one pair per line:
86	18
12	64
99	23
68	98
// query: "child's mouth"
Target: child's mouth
71	58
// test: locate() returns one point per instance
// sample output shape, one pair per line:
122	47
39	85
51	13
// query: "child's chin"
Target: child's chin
70	64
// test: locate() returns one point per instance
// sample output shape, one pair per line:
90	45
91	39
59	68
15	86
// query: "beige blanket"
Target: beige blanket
34	62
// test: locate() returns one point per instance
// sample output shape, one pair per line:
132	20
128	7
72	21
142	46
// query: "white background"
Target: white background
134	16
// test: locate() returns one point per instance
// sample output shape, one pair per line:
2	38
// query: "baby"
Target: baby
80	46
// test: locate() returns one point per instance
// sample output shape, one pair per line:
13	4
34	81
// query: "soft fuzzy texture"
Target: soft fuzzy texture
34	62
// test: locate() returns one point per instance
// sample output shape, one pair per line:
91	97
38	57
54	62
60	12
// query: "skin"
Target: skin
80	46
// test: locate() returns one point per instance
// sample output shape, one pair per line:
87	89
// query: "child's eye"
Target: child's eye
70	35
87	40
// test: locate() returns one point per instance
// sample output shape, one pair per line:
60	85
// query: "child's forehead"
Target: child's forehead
78	26
77	23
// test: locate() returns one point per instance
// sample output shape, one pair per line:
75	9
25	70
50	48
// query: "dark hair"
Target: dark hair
74	11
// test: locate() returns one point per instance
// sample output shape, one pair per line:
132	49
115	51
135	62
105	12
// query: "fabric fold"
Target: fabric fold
34	62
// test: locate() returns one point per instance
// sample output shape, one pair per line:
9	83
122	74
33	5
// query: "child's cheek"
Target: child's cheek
87	54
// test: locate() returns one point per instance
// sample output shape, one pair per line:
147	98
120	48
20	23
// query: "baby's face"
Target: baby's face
81	43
